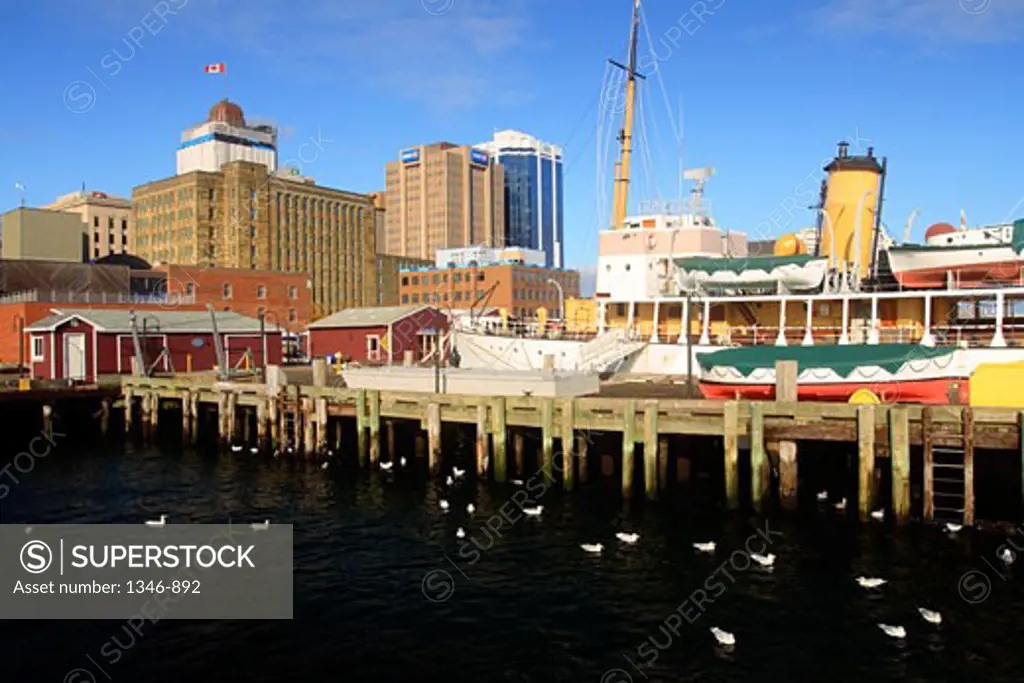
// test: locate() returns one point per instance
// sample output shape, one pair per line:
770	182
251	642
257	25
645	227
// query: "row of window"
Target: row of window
441	278
228	291
110	223
442	298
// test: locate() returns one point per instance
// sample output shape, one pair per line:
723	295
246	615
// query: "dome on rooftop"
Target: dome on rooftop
227	112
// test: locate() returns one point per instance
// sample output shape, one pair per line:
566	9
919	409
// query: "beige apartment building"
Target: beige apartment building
443	196
247	216
108	221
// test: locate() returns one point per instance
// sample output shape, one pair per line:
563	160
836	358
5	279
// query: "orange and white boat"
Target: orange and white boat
951	258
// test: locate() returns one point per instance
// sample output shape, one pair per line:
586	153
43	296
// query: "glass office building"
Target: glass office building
533	193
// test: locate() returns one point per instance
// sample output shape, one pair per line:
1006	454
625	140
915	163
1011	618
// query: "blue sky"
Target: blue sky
101	93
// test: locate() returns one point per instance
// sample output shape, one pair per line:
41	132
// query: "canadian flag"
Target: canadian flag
215	68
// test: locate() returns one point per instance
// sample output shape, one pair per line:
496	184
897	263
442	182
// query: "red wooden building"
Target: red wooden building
82	344
373	334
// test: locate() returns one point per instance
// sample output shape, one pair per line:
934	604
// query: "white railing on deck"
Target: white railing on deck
59	296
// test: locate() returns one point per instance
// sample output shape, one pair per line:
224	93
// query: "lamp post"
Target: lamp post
436	334
561	298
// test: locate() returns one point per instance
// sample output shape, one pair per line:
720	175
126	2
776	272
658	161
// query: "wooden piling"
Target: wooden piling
568	436
374	425
154	415
222	411
651	450
865	460
662	463
434	436
927	443
361	420
144	410
262	426
308	427
129	394
389	428
547	430
321	425
628	447
104	417
787	373
759	466
582	443
186	415
731	428
968	431
518	448
274	410
899	453
482	450
498	429
243	418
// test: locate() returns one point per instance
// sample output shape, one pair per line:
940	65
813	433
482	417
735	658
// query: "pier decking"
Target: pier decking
770	432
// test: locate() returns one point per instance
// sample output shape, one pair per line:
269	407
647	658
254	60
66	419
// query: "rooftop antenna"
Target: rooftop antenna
699	176
21	188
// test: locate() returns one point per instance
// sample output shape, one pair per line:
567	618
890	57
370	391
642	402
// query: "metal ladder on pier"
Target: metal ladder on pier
949	471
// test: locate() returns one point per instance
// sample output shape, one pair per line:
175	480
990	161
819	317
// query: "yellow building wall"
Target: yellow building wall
845	189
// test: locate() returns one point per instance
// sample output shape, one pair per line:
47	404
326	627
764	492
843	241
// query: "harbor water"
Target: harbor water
385	591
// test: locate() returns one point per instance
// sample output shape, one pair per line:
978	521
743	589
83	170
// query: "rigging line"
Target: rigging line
609	131
657	71
645	149
650	157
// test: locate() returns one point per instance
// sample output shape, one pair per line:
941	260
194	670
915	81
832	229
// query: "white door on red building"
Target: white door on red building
74	356
373	347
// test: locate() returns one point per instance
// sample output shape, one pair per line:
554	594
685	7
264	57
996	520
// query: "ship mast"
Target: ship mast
622	168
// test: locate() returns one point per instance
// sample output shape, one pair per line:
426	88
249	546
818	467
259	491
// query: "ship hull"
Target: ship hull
927	391
927	267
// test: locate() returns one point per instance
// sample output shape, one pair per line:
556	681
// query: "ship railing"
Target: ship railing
60	296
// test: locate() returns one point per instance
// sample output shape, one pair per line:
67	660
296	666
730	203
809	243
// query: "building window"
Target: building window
190	289
261	312
415	279
458	296
479	277
405	281
415	298
95	221
293	292
227	291
261	292
124	225
37	348
405	298
292	316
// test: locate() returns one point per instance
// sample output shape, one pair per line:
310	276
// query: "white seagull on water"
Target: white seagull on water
627	538
458	473
953	528
893	631
260	526
822	496
878	515
1007	556
236	449
763	560
459	533
870	582
592	547
402	461
470	508
723	637
931	616
534	511
708	547
157	522
841	505
443	503
386	466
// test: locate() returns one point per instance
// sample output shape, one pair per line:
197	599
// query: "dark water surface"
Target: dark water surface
373	600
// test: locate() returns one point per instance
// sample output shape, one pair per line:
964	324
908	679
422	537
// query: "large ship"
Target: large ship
672	285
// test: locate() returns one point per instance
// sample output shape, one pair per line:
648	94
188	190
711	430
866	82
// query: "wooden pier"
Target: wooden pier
880	437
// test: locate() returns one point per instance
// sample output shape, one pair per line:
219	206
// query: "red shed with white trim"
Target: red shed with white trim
82	344
367	334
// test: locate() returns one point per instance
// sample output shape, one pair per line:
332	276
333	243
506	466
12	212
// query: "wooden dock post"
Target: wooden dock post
968	431
482	450
518	447
628	447
262	426
759	466
568	444
865	460
547	431
928	448
231	417
434	436
186	415
374	424
144	408
498	429
662	463
582	442
319	372
104	417
361	427
274	408
786	385
308	427
129	399
154	415
321	425
651	450
899	452
389	428
243	418
731	427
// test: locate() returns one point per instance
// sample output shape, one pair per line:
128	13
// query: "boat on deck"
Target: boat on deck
905	373
796	273
979	257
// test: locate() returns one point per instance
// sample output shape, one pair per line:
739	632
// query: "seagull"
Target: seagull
329	452
260	526
325	465
459	533
534	511
236	449
458	473
1006	556
893	631
627	538
470	508
516	482
763	560
723	637
841	505
254	450
292	450
449	481
878	514
953	528
386	466
866	582
157	522
822	496
930	616
401	461
708	547
592	547
443	503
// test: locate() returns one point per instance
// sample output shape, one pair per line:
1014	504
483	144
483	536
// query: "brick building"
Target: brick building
389	272
519	289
